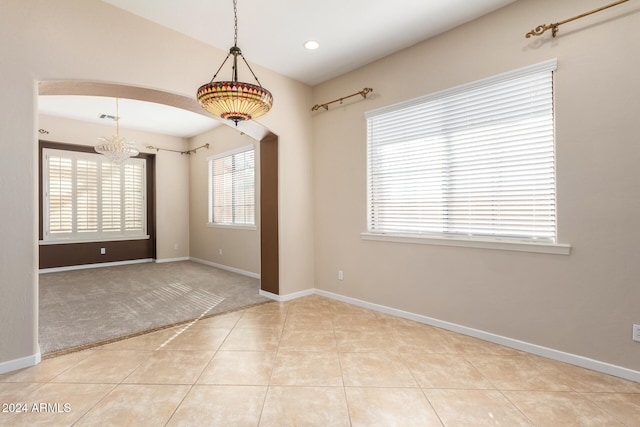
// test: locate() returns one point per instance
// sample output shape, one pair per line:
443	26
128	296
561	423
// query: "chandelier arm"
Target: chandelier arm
221	65
249	67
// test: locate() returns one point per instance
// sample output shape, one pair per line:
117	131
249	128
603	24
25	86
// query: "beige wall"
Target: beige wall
240	247
91	41
584	303
172	176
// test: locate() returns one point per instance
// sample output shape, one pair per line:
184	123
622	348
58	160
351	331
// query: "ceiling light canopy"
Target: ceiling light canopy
234	100
117	149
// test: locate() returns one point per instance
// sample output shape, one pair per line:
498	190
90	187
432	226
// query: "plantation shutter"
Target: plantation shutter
111	197
134	184
86	196
60	194
89	198
477	160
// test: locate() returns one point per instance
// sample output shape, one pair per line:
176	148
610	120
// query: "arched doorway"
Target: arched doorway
269	246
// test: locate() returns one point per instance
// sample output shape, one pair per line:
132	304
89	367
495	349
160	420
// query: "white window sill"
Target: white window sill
63	241
232	226
506	245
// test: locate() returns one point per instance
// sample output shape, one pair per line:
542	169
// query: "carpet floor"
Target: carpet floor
83	307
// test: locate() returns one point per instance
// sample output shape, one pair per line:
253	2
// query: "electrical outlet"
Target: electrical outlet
340	275
103	251
636	333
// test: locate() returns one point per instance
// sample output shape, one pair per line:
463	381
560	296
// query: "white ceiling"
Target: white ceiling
351	33
138	115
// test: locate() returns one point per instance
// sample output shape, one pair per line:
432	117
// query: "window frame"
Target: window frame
210	190
75	236
443	237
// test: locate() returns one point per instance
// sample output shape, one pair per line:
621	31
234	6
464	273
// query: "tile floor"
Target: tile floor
312	362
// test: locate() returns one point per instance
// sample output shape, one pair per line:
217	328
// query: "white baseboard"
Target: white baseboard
23	362
226	267
100	264
288	297
549	353
162	260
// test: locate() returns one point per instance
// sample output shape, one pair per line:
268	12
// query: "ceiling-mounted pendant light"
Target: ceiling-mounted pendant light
117	149
234	100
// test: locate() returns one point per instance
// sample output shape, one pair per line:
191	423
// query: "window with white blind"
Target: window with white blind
232	188
473	162
88	198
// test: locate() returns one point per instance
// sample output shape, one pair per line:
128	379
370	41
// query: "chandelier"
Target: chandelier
234	100
117	149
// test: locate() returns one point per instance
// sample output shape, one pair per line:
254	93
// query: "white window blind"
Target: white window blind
86	197
477	160
232	187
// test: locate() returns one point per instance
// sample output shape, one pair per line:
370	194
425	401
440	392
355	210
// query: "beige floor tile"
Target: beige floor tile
252	339
362	340
308	321
197	339
433	370
366	320
272	307
307	369
396	322
313	303
475	408
136	405
104	366
375	370
388	407
171	367
15	392
560	409
625	407
58	404
239	368
47	369
210	405
262	320
421	339
305	406
585	380
342	308
226	320
301	365
465	344
308	340
518	373
148	342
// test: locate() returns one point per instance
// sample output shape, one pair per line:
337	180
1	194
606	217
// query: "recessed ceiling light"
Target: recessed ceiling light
311	45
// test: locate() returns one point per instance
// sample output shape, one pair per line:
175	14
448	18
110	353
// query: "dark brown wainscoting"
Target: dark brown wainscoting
63	255
269	246
69	254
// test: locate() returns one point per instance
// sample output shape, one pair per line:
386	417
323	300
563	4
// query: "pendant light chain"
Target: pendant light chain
117	120
232	99
235	25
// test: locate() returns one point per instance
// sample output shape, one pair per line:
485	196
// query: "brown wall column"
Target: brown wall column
269	258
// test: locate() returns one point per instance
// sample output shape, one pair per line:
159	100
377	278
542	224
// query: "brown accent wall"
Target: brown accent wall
69	254
269	246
